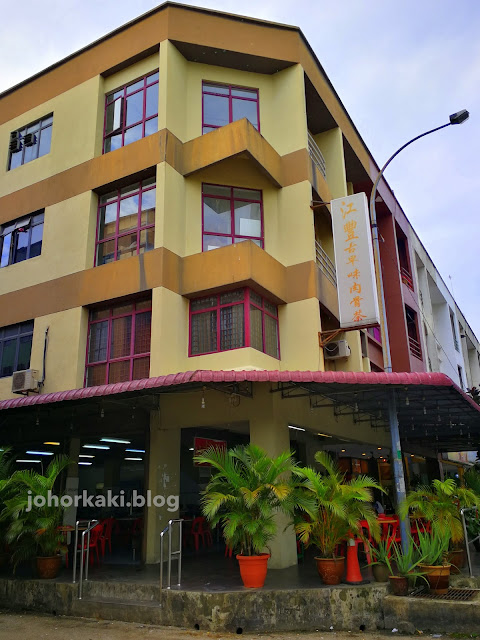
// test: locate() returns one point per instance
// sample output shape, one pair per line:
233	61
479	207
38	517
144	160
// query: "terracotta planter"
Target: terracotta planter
253	570
457	559
438	577
331	569
48	568
380	572
399	585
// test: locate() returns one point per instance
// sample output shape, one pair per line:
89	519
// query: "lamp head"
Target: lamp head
459	117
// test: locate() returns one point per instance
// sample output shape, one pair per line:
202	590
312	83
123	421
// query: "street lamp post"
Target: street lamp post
456	118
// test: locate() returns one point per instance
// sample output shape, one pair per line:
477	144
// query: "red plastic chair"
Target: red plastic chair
201	531
95	535
107	535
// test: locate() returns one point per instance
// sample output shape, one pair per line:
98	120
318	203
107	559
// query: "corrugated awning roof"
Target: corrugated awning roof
429	405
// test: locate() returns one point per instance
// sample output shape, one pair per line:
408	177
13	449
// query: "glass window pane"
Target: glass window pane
152	101
106	252
38	218
204	332
127	246
148	207
255	298
6	247
12	330
271	336
7	366
30	153
143	304
147	240
208	129
45	141
113	195
244	93
128	216
141	368
121	338
133	134
108	221
204	303
245	109
256	331
217	216
131	188
113	142
36	241
248	219
24	351
113	116
143	322
21	245
99	314
15	159
33	128
152	78
247	194
216	88
122	309
135	86
25	327
134	108
215	242
119	371
96	375
151	126
97	344
232	334
232	296
215	110
46	121
271	308
216	190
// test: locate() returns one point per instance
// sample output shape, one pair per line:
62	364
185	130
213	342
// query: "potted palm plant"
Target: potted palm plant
381	567
244	496
32	530
333	509
5	473
433	549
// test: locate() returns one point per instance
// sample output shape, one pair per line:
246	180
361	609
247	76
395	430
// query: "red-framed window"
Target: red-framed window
229	215
223	103
232	320
118	347
131	113
126	222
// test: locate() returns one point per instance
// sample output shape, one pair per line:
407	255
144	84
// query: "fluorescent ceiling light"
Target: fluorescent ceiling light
84	455
54	444
39	453
135	450
115	440
191	449
324	435
133	458
85	463
290	426
27	461
95	446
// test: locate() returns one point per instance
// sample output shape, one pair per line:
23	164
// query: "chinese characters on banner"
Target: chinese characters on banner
352	240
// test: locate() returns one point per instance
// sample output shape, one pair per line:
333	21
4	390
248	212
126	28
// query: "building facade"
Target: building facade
164	207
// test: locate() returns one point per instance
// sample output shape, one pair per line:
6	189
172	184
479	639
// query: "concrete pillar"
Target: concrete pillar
163	479
269	430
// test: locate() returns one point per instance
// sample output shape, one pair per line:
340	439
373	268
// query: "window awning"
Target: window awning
430	406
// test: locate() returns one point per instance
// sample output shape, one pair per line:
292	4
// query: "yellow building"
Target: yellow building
161	211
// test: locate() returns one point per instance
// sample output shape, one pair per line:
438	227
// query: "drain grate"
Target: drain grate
458	595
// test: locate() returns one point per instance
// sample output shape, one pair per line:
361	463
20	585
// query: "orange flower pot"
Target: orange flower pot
253	570
48	568
331	569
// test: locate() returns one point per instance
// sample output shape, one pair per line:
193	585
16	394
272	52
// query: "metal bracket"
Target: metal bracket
324	337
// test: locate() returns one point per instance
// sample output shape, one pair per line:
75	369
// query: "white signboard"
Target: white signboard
352	240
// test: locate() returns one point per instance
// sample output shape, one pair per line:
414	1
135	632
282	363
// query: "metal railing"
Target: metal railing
171	554
415	348
84	552
407	279
316	155
325	264
465	534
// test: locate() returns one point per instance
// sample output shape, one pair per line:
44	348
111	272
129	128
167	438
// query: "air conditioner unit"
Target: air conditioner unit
336	349
29	139
15	144
25	381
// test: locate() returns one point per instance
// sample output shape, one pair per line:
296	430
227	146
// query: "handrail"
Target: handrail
465	534
84	557
415	348
316	155
325	263
171	553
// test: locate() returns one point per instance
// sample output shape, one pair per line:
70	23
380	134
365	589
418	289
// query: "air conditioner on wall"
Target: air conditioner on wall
25	381
336	349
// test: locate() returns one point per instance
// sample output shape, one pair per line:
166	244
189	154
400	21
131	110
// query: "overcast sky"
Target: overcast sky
399	67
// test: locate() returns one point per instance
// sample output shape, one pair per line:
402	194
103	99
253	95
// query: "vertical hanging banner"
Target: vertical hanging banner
352	241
